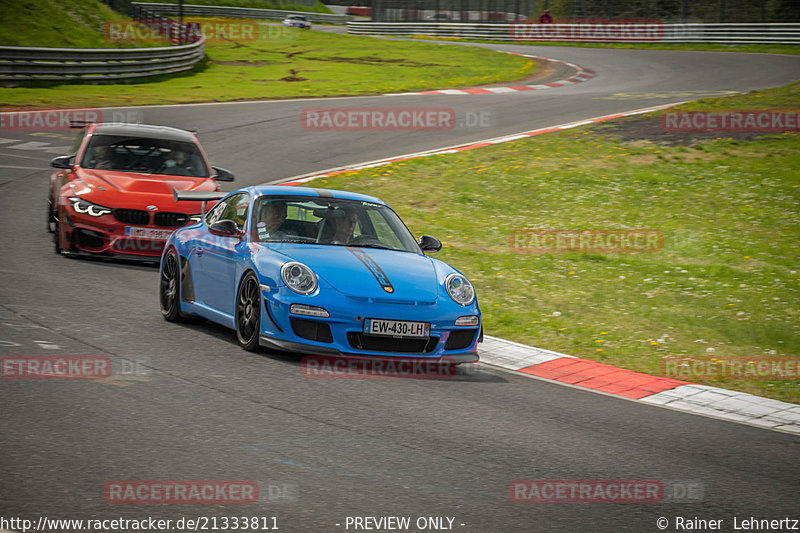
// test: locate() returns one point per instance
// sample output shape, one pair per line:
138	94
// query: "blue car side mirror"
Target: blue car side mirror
226	228
430	244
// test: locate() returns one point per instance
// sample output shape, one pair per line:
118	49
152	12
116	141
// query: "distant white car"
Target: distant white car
297	21
439	17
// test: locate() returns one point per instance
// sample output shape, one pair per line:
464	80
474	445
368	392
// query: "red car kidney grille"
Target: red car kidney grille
170	220
132	216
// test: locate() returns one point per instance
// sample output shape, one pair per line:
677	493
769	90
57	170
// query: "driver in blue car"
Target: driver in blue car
270	221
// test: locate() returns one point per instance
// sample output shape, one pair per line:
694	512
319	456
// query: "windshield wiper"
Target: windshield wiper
376	246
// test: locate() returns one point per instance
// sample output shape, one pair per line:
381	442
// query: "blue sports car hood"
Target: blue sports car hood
369	272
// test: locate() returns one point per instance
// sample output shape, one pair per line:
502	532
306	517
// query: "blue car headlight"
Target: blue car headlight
460	289
83	207
299	277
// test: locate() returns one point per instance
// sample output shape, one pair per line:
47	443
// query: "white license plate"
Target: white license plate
396	328
147	233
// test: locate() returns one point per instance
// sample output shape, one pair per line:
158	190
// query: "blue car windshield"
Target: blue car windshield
329	221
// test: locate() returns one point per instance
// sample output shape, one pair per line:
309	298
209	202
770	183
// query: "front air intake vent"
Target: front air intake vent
171	220
132	216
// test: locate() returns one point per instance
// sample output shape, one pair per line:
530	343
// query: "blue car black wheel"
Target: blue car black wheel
170	287
248	312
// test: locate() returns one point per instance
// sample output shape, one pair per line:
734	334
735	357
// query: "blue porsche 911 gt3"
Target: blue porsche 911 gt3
320	272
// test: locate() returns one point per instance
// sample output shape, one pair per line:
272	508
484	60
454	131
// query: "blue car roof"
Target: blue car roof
259	190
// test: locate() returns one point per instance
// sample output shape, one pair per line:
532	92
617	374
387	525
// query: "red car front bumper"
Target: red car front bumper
128	233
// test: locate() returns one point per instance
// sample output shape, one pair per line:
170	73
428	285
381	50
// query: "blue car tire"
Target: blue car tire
248	312
169	291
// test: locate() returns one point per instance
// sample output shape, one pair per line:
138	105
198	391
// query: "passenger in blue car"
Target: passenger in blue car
345	224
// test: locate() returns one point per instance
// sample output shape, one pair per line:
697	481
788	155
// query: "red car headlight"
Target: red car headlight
87	208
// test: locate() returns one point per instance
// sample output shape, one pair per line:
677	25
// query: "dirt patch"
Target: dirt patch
547	72
250	63
364	60
641	160
648	128
293	76
290	55
371	60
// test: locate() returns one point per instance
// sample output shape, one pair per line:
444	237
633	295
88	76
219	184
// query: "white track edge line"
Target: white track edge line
437	151
639	401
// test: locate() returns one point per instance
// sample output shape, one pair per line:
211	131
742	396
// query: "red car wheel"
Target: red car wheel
57	236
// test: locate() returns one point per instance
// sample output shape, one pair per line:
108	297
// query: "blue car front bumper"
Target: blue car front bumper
342	332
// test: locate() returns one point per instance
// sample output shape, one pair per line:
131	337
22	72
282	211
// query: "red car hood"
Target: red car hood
135	191
141	183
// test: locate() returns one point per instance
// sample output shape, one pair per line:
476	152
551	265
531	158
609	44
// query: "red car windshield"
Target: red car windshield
145	156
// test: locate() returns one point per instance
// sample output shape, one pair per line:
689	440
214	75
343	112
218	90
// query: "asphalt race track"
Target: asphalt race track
199	408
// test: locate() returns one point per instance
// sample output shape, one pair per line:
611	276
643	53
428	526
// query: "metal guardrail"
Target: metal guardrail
788	33
24	64
236	12
18	64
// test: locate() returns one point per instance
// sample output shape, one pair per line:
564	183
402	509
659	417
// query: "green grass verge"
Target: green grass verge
791	49
56	24
79	23
291	63
727	279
